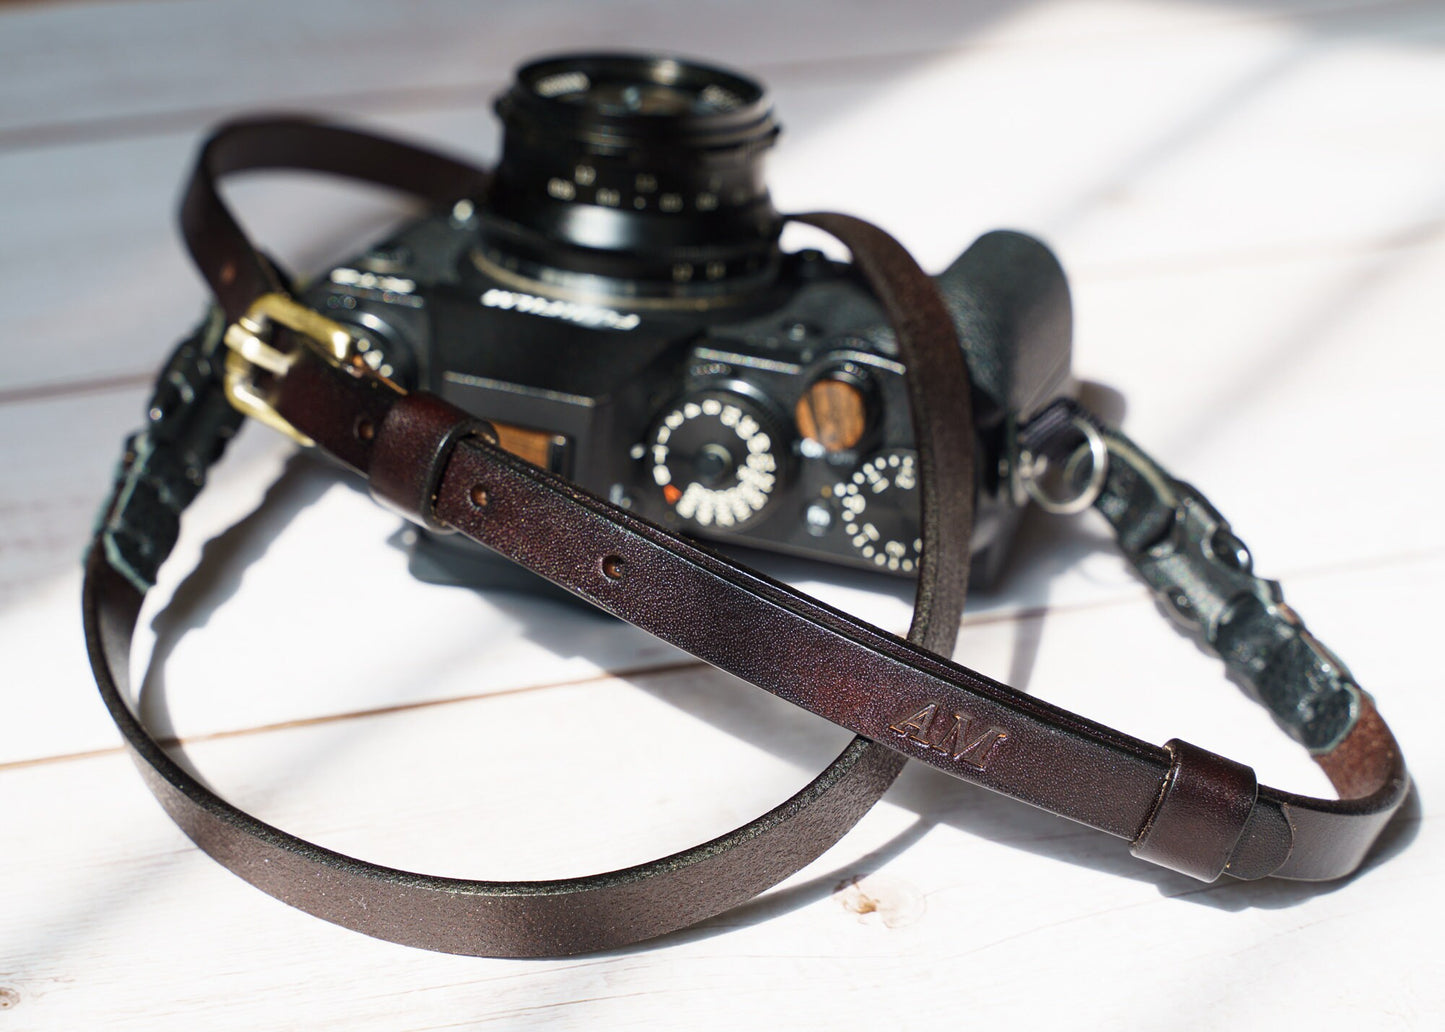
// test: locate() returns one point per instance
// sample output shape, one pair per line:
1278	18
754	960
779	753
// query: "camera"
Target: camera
619	306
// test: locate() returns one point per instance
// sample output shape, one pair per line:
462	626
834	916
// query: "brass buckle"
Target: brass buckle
249	350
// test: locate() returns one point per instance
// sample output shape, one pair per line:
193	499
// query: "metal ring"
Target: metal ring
1031	469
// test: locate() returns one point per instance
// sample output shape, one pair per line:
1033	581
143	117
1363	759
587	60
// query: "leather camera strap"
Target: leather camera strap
1177	805
486	918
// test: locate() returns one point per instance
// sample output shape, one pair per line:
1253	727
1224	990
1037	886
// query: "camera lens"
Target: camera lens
633	98
632	175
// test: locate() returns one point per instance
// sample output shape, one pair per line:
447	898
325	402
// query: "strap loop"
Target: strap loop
1201	813
410	452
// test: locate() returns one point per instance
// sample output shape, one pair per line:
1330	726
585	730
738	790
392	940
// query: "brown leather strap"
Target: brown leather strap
235	270
1191	813
1177	805
406	459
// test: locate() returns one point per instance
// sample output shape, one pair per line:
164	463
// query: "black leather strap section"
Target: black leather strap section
163	467
1203	577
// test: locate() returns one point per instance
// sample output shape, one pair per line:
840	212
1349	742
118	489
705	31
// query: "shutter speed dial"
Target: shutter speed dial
879	505
714	455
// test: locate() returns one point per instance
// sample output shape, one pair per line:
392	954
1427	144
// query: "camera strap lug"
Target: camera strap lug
1061	439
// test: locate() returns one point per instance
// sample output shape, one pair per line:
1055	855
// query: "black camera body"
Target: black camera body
619	307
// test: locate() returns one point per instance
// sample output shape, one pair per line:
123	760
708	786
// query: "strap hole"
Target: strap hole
478	496
613	567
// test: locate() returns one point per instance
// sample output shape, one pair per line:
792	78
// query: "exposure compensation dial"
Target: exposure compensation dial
879	506
715	457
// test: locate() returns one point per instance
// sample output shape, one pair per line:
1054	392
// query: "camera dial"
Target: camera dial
879	506
715	458
835	411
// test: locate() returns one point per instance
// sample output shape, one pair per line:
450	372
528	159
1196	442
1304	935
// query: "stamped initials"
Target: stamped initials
957	735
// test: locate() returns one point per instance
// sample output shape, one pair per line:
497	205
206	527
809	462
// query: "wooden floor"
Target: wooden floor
1250	198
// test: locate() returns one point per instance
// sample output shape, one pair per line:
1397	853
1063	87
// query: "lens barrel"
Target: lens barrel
635	175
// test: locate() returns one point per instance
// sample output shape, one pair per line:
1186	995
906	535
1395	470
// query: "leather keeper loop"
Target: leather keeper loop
410	452
1200	815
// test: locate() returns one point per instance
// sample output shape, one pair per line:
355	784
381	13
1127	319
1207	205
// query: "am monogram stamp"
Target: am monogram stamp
955	734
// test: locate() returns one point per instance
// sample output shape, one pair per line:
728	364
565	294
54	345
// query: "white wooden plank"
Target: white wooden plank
1130	156
423	643
97	266
121	285
1247	197
105	901
1218	160
72	71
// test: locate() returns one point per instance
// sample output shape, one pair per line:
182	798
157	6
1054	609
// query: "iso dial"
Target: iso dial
714	457
879	505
